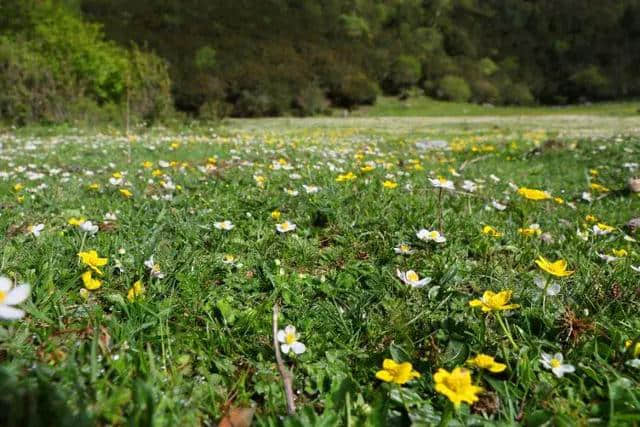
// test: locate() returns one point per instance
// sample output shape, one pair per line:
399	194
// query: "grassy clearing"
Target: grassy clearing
428	107
197	342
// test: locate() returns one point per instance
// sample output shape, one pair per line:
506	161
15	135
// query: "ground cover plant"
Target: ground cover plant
487	280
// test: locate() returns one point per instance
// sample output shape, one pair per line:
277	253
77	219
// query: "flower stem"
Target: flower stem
506	331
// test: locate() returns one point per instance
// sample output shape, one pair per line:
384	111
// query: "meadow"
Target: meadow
437	272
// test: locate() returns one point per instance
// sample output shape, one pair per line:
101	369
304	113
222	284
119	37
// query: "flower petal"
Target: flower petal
10	313
18	294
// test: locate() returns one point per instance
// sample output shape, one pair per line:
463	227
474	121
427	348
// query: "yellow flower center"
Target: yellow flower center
554	363
290	338
434	234
412	276
3	295
404	248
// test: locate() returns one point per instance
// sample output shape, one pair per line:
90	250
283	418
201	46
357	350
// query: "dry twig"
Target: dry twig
287	378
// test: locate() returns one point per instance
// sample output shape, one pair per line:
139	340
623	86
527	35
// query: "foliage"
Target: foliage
454	88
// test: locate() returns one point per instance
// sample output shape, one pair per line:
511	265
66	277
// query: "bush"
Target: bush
354	90
311	100
485	91
405	72
62	68
591	83
518	94
453	88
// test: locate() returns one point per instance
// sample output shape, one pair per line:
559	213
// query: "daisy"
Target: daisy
285	227
36	229
224	225
289	340
311	189
154	269
441	182
427	236
554	363
552	288
11	296
412	279
403	249
89	227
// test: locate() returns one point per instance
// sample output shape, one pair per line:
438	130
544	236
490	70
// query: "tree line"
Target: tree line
273	57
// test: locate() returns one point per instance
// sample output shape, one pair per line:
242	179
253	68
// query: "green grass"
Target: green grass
428	107
199	342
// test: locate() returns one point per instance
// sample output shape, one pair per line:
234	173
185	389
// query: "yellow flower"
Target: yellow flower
598	187
147	164
389	184
367	168
484	361
490	231
532	230
76	221
90	283
620	252
18	187
492	301
398	373
276	214
126	193
590	218
92	259
636	350
136	291
156	172
593	172
456	385
349	176
558	200
557	268
532	194
94	186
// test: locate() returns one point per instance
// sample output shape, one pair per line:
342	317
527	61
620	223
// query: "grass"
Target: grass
428	107
198	342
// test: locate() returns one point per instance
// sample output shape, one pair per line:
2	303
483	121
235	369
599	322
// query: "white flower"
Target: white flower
442	183
634	363
587	196
311	189
403	249
599	231
607	258
110	216
11	296
154	269
36	229
291	192
289	339
555	364
229	259
584	235
553	288
412	279
285	227
89	227
427	236
498	206
469	186
224	225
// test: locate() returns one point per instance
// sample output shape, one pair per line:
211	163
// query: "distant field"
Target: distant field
424	106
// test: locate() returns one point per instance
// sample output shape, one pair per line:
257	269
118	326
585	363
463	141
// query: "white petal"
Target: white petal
10	313
553	290
5	284
298	347
540	282
290	329
280	335
285	348
546	357
18	294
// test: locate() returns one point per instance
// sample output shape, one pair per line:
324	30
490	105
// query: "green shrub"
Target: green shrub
485	91
60	68
591	83
311	100
355	89
405	72
454	88
518	94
